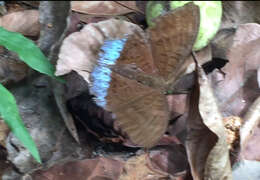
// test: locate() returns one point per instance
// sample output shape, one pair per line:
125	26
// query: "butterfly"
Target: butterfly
132	74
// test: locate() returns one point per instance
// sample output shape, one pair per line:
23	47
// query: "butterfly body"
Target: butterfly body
132	74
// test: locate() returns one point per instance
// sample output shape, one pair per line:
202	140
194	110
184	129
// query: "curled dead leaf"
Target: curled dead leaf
25	22
79	51
206	138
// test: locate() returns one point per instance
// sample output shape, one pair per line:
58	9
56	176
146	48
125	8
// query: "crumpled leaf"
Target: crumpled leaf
79	51
25	22
93	169
9	112
206	144
170	158
137	168
232	126
103	7
239	87
250	132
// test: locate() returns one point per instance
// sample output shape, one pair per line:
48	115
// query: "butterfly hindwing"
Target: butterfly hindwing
142	112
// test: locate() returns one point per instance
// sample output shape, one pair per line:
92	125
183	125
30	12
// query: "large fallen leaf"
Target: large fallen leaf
206	138
25	22
239	87
80	50
93	169
9	112
103	7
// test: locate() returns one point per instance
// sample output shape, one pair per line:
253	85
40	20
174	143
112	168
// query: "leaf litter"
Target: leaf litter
235	92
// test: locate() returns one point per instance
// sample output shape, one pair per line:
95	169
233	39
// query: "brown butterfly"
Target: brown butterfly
133	73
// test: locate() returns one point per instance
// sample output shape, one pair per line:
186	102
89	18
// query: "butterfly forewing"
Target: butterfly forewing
172	39
138	53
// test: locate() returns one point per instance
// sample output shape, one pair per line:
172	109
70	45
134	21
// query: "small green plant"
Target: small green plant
33	57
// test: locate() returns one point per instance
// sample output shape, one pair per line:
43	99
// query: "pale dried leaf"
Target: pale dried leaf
103	7
25	22
250	133
239	12
252	31
238	88
79	51
206	142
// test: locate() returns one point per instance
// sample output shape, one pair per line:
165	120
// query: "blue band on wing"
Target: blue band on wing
110	52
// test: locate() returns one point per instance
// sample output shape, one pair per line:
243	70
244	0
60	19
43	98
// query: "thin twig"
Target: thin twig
193	54
136	10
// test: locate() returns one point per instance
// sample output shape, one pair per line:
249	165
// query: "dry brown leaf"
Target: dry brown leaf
11	69
103	7
25	22
93	169
79	51
206	138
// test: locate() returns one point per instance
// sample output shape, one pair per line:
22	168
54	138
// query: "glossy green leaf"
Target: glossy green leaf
27	52
10	114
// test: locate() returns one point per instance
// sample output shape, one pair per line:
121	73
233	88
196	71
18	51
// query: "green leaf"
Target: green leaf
10	114
27	52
